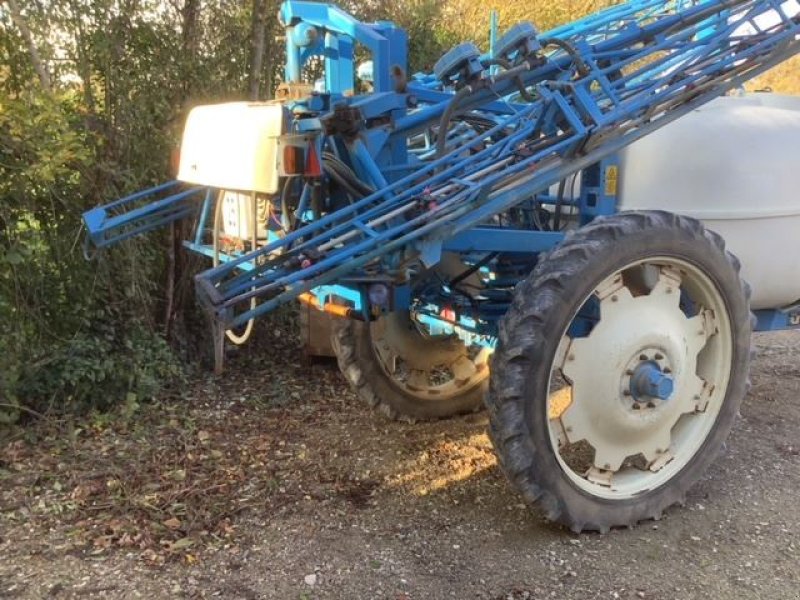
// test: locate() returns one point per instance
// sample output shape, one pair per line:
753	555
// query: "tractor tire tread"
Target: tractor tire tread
371	385
522	338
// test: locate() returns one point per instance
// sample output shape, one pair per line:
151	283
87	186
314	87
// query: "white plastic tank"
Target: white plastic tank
735	165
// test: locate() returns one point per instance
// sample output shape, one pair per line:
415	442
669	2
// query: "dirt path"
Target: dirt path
355	507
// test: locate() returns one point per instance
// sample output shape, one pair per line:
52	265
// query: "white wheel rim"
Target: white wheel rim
640	442
428	367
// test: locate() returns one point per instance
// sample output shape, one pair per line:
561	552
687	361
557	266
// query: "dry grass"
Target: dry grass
783	79
168	479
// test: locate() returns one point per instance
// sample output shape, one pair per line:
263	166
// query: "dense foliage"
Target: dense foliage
92	100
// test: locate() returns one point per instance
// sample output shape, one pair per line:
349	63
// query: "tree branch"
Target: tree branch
257	46
36	58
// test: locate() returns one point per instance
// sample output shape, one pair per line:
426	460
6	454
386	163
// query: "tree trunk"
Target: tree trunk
191	19
175	257
36	58
82	55
257	36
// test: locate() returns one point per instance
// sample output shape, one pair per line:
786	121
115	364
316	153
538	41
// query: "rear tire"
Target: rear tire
543	405
364	349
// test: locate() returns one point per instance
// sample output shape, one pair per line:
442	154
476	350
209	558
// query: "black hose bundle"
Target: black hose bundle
344	176
580	64
477	122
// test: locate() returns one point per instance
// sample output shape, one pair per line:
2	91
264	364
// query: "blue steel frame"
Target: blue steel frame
693	51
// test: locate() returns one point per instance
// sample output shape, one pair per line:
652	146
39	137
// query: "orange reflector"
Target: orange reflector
559	402
313	168
448	314
292	160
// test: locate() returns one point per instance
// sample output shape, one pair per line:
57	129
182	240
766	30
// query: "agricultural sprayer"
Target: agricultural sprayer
543	228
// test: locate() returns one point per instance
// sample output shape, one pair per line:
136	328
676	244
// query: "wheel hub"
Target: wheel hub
635	374
648	379
649	382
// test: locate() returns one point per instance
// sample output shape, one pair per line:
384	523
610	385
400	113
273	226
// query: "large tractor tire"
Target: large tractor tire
620	368
402	371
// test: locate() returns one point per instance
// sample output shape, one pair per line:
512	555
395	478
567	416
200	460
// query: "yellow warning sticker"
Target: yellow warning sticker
612	171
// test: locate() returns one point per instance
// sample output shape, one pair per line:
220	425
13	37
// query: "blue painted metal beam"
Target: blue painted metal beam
774	320
501	239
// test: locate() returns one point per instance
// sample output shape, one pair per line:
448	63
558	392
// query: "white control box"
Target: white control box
232	146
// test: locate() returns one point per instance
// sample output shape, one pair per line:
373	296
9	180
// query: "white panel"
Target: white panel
232	146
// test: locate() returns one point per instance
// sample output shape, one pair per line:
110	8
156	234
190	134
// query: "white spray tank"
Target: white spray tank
734	164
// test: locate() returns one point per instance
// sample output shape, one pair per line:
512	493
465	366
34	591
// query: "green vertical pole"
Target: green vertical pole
492	38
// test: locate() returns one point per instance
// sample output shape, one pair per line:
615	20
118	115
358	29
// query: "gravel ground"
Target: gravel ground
357	507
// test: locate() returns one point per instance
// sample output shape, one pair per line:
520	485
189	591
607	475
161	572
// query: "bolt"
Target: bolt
659	356
571	357
667	370
569	429
651	405
637	406
626	392
629	372
614	298
607	466
643	357
669	290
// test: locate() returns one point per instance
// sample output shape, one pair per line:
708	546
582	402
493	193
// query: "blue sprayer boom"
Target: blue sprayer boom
519	205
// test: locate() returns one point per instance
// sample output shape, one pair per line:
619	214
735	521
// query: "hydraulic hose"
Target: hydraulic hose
583	68
510	73
344	176
526	95
447	115
499	61
506	64
478	123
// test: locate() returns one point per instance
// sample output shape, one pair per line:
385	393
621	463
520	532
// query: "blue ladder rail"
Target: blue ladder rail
648	64
141	212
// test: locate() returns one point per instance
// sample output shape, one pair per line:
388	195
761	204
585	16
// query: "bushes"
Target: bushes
100	124
74	334
99	367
